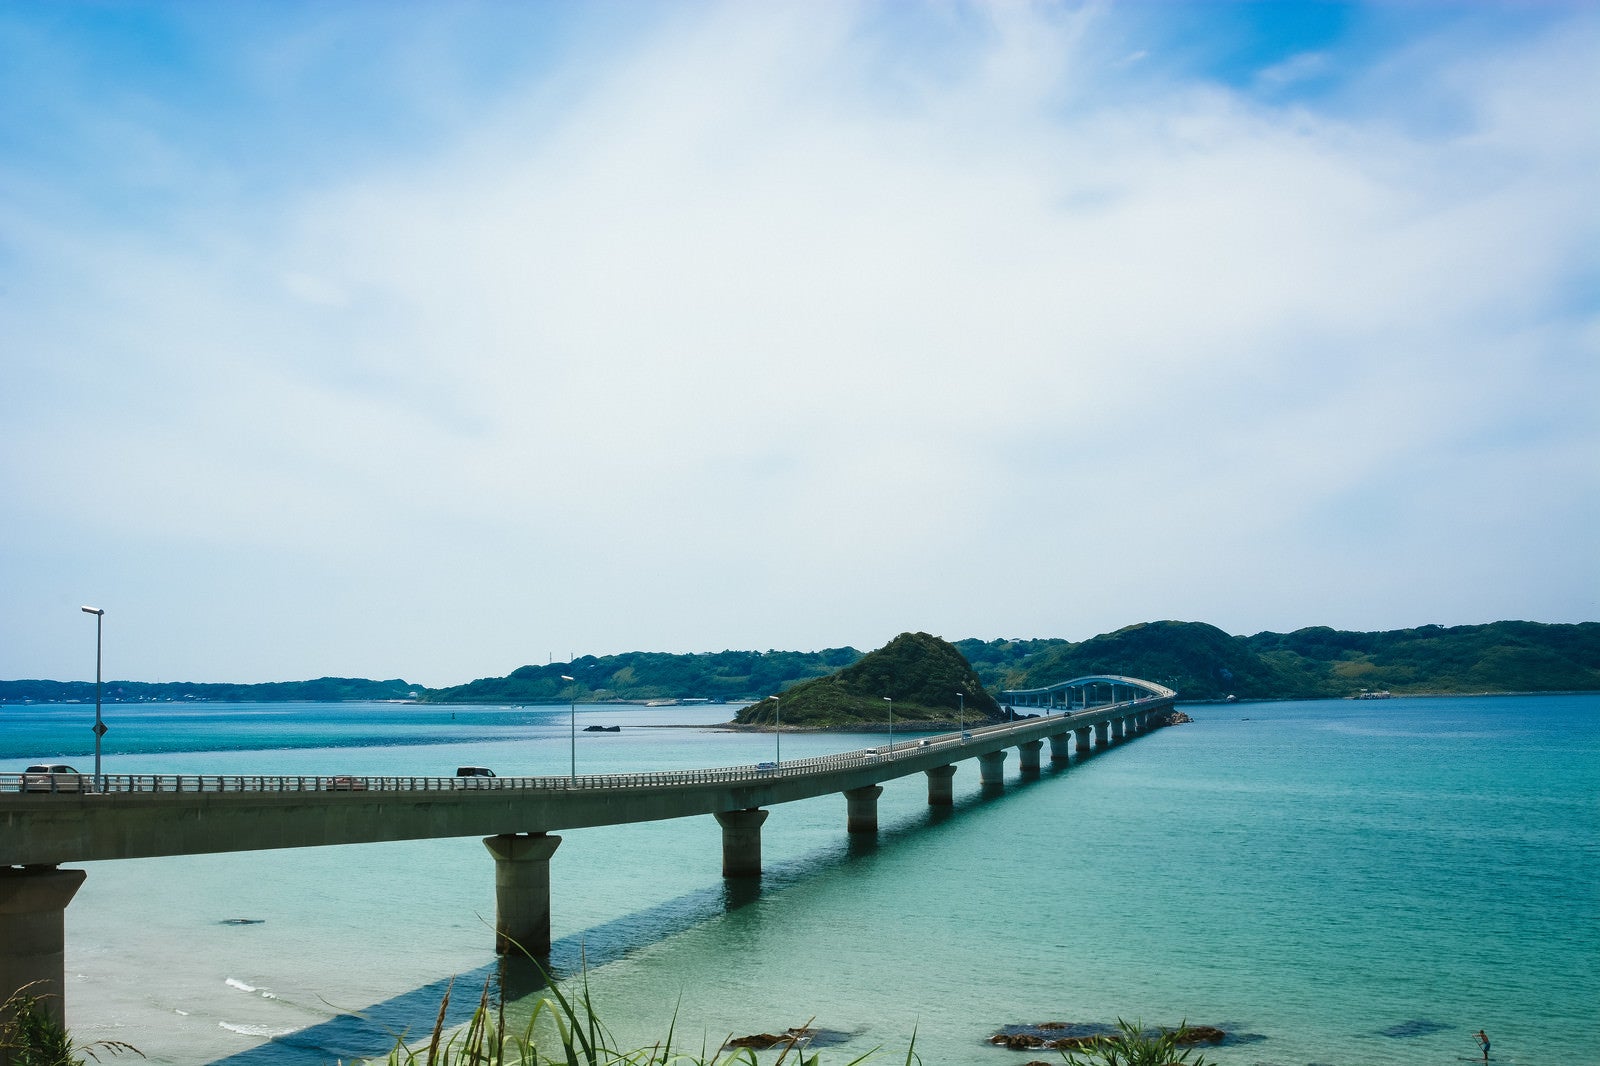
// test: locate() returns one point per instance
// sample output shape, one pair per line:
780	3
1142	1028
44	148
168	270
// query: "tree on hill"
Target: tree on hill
1200	661
926	679
1497	657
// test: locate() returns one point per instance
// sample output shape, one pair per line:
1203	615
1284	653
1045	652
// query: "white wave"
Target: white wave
240	985
265	1031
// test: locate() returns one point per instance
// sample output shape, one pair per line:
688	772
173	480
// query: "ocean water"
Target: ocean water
1331	882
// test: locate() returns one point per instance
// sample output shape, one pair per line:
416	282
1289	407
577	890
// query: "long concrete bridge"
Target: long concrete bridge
47	822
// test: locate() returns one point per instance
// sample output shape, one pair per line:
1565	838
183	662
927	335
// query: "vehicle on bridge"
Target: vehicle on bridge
53	777
474	771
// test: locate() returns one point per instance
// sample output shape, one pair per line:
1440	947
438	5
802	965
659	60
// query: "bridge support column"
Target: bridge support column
522	891
1061	748
861	809
1028	756
992	770
941	790
741	841
33	904
1082	733
1121	727
1102	734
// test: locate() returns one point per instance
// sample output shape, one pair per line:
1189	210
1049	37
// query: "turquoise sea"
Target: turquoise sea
1332	882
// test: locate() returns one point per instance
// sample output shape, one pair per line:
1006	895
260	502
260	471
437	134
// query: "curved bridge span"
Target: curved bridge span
137	816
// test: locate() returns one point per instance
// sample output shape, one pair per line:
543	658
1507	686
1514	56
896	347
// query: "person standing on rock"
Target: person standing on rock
1483	1038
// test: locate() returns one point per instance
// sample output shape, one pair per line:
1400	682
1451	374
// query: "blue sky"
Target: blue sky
428	340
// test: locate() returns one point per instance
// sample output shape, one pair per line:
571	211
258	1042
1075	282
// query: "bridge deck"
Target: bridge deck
141	815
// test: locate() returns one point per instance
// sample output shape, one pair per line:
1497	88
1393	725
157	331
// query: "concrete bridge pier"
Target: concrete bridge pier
741	841
1082	747
941	790
1120	727
522	891
1102	734
1061	748
1028	756
992	770
861	808
33	904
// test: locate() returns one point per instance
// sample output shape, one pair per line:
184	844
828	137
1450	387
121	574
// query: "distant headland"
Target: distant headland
1200	661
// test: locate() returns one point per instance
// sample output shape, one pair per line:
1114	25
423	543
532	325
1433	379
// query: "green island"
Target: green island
832	686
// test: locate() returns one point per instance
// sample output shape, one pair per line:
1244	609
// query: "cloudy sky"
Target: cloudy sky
427	340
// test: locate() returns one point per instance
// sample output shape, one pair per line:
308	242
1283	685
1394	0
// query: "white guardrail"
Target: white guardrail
39	783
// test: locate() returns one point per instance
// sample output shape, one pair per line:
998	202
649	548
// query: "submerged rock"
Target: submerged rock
1074	1036
757	1041
1414	1027
1190	1035
800	1036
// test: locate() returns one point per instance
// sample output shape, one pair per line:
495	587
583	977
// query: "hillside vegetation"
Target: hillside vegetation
1200	661
1204	663
921	679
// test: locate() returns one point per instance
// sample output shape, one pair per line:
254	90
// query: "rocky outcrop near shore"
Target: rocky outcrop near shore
1075	1036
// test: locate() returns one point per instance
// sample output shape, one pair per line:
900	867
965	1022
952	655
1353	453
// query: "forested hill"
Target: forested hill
733	676
924	680
1199	660
1204	663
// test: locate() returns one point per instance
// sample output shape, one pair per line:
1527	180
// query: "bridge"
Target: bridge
47	821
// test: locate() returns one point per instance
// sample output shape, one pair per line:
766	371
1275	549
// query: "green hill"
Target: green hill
732	676
920	674
1203	663
1499	657
1200	661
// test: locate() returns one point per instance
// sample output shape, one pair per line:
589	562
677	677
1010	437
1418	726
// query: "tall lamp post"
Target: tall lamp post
99	726
777	731
572	722
890	702
962	696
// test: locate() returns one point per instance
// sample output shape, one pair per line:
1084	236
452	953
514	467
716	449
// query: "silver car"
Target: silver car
53	777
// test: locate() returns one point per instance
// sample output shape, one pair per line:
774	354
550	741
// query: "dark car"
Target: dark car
474	771
52	777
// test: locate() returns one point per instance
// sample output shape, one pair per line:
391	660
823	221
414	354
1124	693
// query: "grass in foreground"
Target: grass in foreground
571	1034
30	1037
1135	1047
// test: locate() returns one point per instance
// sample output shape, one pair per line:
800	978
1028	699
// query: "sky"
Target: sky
429	340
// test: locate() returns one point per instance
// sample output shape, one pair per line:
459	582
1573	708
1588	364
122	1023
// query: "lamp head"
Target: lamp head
93	610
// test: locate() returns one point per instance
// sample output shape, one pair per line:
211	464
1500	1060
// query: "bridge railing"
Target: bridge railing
902	747
82	784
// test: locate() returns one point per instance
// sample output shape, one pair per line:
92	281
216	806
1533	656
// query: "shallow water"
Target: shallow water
1333	882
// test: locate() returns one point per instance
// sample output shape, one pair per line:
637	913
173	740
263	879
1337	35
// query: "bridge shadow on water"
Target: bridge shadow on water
372	1032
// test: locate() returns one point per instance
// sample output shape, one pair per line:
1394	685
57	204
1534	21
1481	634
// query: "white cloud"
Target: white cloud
744	335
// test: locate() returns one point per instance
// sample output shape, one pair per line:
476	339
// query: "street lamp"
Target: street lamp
99	726
572	721
962	696
890	702
777	732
